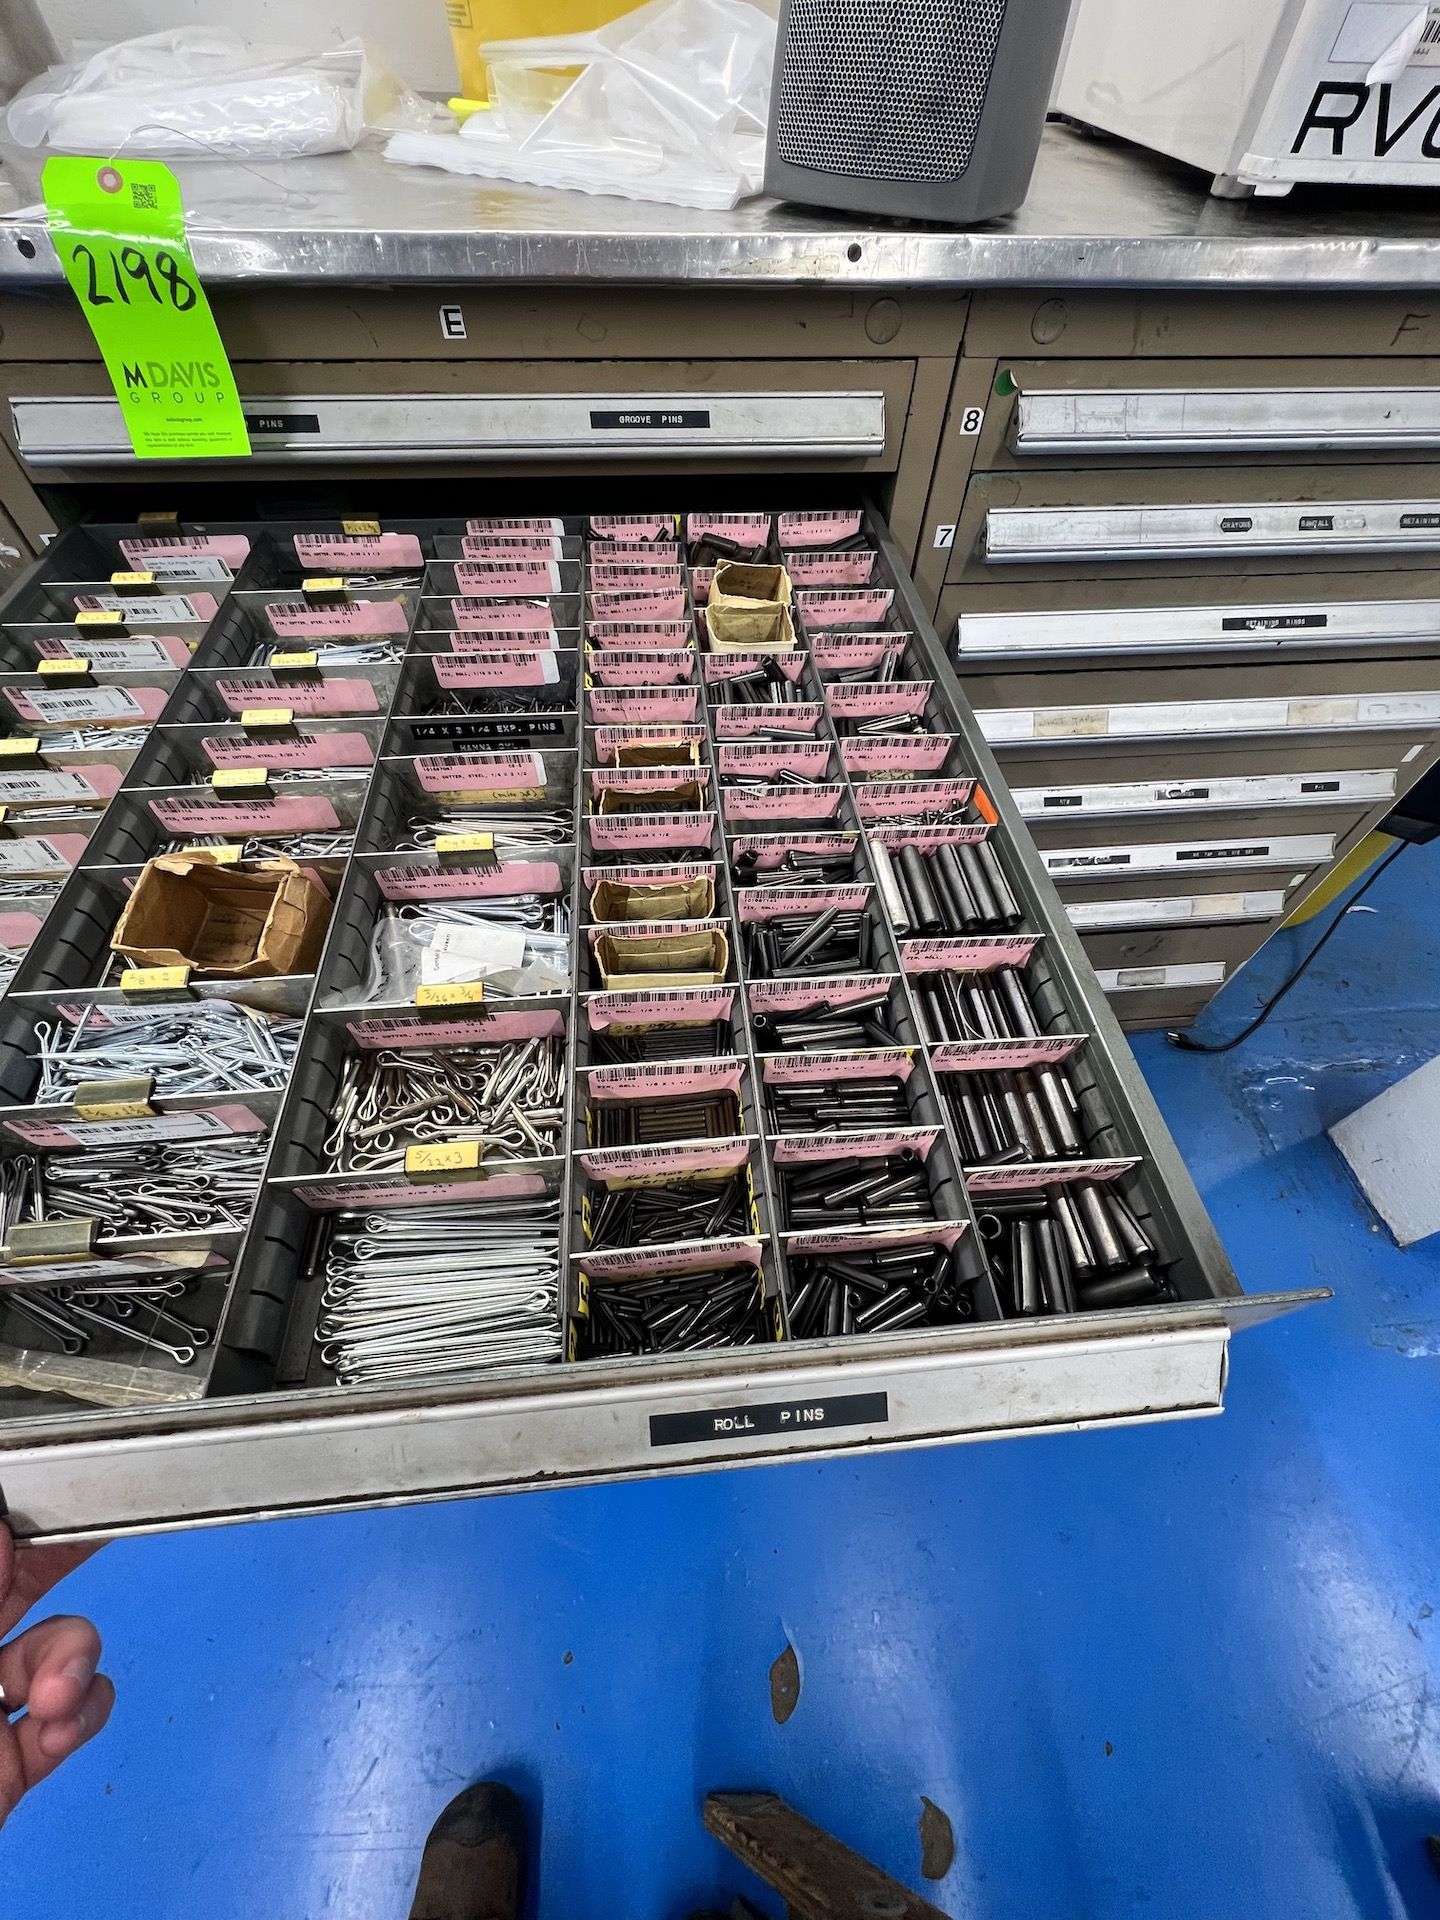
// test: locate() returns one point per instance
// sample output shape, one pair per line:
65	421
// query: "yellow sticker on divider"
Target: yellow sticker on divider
99	617
464	843
267	717
460	1156
236	779
329	583
58	669
20	746
119	229
119	1099
144	980
132	579
222	856
451	993
293	662
360	526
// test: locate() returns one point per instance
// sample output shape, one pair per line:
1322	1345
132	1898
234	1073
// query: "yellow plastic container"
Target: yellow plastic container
473	22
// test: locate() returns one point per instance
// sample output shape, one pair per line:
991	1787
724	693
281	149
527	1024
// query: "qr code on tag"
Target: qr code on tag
144	196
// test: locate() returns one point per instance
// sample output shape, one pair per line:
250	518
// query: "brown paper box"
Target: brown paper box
749	609
679	960
741	583
667	900
658	753
665	796
187	912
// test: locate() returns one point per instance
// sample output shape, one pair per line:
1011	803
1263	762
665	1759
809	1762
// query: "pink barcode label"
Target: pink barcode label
505	580
470	883
322	696
968	956
360	550
294	620
476	614
817	529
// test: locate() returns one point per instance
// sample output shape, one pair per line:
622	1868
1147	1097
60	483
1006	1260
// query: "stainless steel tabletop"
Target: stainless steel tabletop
1098	215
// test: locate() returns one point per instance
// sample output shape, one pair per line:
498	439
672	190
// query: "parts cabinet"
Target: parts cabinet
1188	584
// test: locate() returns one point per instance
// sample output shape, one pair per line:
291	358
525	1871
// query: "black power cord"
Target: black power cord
1187	1045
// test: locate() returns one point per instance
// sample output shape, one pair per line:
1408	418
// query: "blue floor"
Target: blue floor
1186	1671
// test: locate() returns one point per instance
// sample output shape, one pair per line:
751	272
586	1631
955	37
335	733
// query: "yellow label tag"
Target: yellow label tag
46	1243
231	779
451	993
223	856
293	662
158	517
20	746
143	980
461	1156
582	1293
116	1110
132	579
323	583
464	843
99	617
59	669
360	526
267	717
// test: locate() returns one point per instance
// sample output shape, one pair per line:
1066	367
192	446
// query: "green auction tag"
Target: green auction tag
120	233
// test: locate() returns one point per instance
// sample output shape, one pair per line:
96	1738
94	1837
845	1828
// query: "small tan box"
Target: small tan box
749	609
188	912
675	960
665	900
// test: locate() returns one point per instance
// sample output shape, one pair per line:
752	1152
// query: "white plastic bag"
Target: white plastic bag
194	91
666	103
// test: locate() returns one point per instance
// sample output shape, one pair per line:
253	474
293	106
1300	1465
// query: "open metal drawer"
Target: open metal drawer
257	1453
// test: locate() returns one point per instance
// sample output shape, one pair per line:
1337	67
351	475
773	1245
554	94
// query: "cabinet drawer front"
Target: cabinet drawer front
1175	976
1020	536
1259	904
1040	525
1186	856
1224	421
1343	628
1157	410
1052	806
583	425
